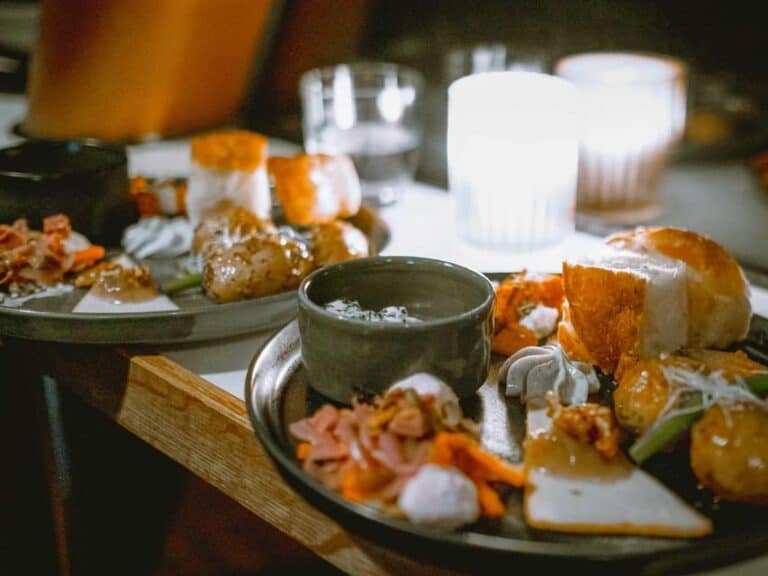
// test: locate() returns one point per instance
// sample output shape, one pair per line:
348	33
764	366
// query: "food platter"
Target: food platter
197	318
277	394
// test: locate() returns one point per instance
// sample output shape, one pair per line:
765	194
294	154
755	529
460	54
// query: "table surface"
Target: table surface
187	400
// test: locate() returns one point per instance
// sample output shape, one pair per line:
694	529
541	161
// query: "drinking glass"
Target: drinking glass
368	111
474	59
632	112
492	57
512	158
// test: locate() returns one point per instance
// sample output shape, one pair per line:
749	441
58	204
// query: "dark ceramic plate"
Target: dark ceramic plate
198	317
277	394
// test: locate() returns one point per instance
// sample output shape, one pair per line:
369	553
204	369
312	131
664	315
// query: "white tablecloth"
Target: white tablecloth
421	224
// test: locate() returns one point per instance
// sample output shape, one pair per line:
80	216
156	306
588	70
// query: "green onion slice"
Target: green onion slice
183	283
677	422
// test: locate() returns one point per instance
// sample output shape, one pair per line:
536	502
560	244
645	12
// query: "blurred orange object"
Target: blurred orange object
160	196
759	164
516	297
118	70
315	188
232	150
145	199
706	127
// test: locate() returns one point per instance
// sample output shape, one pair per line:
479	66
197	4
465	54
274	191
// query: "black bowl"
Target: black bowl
86	182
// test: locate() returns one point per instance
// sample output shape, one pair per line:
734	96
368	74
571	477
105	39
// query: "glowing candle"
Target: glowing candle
512	158
632	111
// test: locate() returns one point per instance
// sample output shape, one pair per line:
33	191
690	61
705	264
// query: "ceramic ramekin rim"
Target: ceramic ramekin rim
473	314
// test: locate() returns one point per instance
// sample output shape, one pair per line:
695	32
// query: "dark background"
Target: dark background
723	38
724	43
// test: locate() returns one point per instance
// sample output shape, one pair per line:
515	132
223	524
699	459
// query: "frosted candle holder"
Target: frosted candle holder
512	158
632	110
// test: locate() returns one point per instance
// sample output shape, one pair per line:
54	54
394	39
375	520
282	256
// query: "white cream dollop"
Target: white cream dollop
75	241
535	370
439	497
542	320
158	237
425	384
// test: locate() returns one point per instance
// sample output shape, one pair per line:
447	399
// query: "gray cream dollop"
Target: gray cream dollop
535	370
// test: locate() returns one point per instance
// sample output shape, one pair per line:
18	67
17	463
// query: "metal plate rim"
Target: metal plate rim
98	328
285	343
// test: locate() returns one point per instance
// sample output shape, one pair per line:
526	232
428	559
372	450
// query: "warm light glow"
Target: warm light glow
632	110
344	110
392	100
512	157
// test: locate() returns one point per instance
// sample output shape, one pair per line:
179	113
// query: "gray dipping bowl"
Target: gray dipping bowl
344	357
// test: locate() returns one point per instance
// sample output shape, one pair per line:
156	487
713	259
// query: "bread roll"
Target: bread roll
228	222
627	299
718	294
729	452
337	241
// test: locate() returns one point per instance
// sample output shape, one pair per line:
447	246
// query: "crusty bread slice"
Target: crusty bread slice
719	310
568	339
622	302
